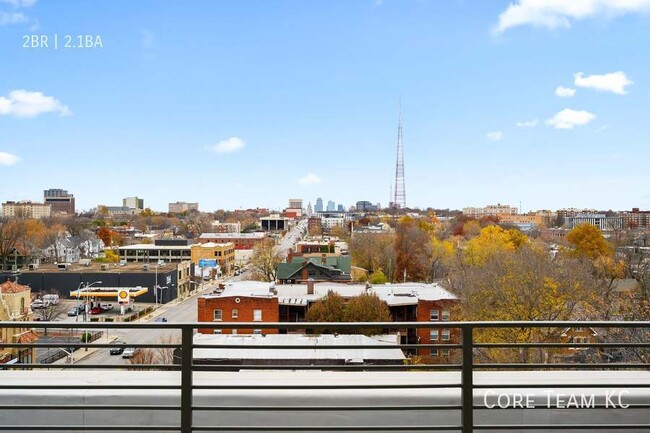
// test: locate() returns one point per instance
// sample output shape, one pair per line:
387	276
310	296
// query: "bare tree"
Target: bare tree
165	355
265	260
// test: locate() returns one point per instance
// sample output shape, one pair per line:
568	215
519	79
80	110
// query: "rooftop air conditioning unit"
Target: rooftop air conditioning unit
63	266
84	262
32	266
104	267
145	267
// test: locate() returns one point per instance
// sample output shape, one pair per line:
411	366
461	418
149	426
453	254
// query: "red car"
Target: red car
96	310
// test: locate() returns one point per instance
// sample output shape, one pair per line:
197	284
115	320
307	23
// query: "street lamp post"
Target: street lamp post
79	289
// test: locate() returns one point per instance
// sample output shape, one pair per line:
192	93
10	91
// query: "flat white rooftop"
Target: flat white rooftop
392	294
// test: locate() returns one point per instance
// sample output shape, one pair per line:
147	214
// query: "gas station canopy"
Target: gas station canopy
108	292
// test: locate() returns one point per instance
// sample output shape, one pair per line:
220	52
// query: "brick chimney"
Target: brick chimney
310	286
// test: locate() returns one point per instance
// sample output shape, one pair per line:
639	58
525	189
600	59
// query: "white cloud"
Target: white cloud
20	3
23	103
494	135
553	14
528	123
564	92
615	82
11	18
8	158
568	119
228	145
309	179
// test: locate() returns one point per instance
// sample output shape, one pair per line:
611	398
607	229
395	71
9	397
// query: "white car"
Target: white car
129	352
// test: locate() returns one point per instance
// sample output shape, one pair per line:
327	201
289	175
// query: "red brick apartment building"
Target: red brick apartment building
242	241
253	301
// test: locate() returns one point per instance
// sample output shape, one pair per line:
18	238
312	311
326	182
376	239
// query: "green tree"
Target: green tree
377	277
367	307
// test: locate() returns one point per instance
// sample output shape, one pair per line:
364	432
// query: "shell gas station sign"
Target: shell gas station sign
123	297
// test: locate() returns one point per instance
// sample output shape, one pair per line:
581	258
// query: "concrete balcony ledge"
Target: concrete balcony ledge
363	401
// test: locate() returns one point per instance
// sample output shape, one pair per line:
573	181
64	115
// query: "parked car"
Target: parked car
160	319
121	345
96	310
107	307
79	309
38	303
130	352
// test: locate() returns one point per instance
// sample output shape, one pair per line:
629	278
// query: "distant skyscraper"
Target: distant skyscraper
59	200
319	205
295	203
331	206
400	187
340	208
310	211
133	203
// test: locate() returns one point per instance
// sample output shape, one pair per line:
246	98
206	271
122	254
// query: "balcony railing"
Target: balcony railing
481	346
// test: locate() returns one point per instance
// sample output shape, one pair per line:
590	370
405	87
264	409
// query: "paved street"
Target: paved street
185	311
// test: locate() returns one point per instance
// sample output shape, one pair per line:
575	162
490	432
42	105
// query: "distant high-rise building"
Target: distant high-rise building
331	206
133	203
310	211
181	207
26	209
295	203
60	201
340	208
319	205
366	206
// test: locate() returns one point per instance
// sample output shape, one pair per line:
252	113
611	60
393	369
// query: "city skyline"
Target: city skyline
241	105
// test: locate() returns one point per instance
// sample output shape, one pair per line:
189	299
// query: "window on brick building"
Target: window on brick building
218	315
434	352
235	314
257	315
257	331
433	334
433	315
445	314
446	335
218	331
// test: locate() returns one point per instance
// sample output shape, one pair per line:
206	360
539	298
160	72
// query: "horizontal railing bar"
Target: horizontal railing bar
567	366
93	366
329	346
328	428
94	345
561	385
554	427
326	408
564	345
321	325
327	367
85	427
347	386
547	407
88	407
92	387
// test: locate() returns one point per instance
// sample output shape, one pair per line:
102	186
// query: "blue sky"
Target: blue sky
301	97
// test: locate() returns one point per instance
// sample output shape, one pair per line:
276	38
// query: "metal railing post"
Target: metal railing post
187	333
467	381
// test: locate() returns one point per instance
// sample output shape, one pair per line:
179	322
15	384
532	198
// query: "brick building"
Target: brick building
224	254
252	301
242	241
